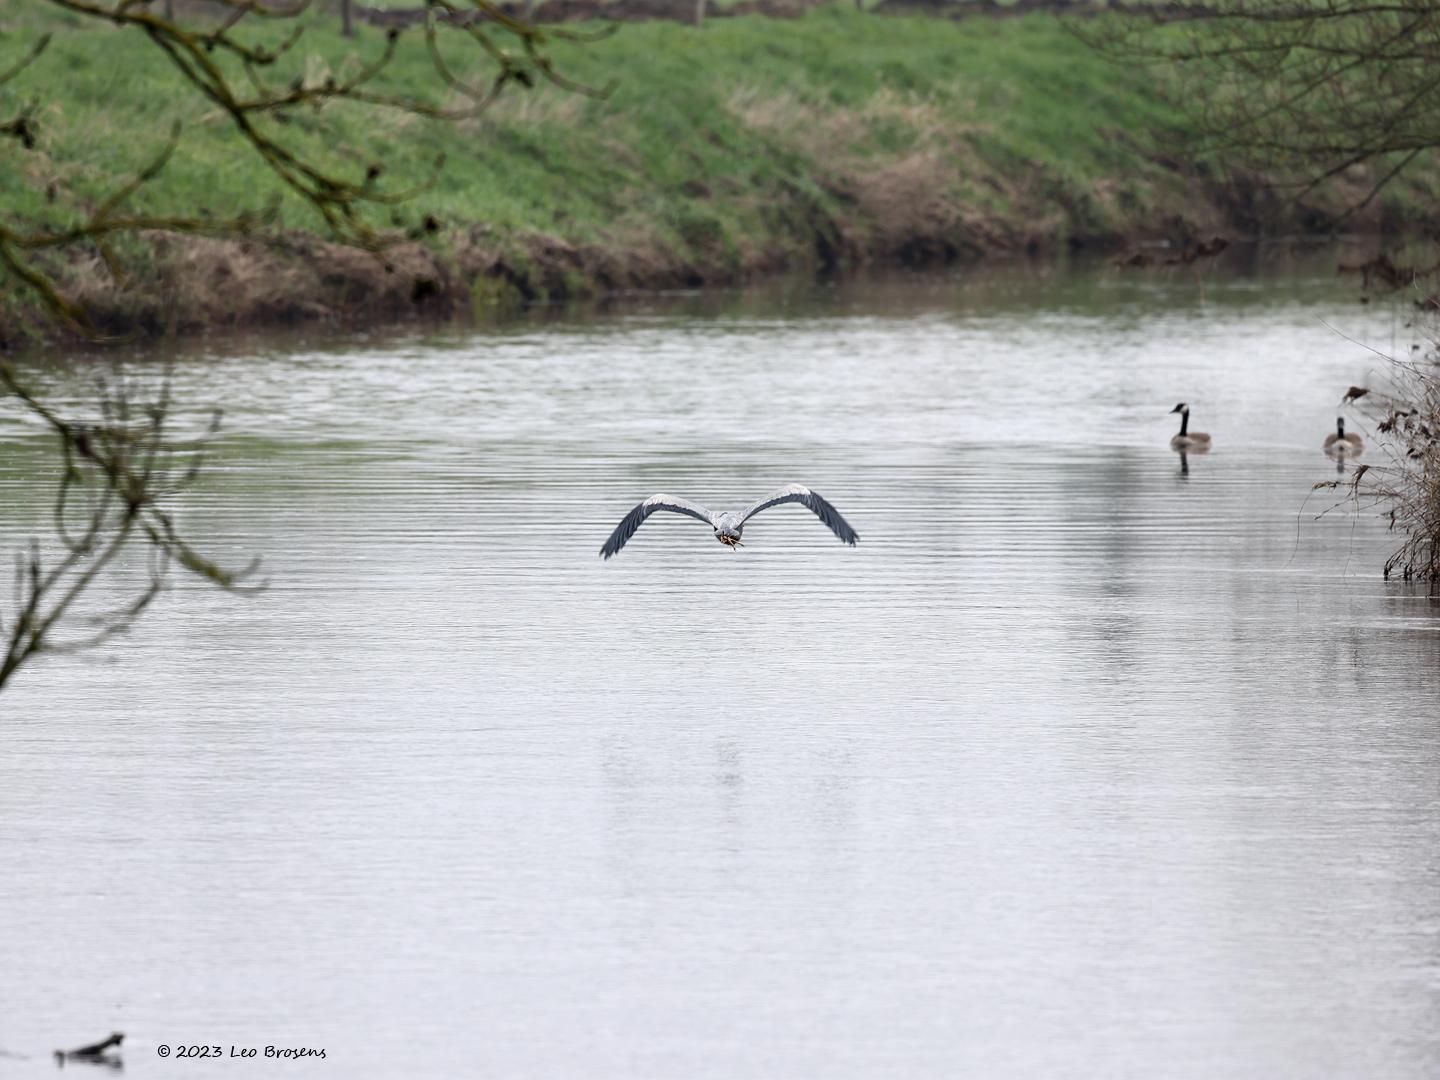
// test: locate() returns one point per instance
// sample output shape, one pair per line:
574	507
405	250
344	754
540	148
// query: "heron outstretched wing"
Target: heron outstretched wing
632	520
814	503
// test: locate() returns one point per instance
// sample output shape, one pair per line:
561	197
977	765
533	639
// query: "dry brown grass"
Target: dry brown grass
832	128
544	106
1402	477
1410	481
906	204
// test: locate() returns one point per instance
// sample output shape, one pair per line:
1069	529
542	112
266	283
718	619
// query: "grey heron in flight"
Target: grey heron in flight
729	526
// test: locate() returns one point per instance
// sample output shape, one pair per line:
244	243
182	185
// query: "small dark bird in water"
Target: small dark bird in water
1355	393
1337	442
729	526
1194	441
1204	249
95	1053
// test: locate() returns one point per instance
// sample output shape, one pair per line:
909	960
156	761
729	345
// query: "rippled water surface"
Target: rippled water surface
1081	764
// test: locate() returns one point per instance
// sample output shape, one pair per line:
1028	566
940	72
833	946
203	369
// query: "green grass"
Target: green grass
723	145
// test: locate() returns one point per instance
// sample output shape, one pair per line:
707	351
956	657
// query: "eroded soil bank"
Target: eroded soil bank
901	216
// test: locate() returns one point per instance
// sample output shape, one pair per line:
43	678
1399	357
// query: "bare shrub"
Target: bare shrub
121	470
1404	483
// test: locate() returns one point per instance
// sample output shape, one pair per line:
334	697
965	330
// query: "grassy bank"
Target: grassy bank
748	146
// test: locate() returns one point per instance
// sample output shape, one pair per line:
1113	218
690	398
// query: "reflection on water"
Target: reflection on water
1081	764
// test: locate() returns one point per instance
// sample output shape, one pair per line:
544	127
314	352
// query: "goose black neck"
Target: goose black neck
1340	426
1184	422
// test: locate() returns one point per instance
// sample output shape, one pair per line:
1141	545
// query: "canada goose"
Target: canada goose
1194	441
1337	442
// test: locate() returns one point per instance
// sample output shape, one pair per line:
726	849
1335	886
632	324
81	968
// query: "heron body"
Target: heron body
729	526
1194	441
1337	442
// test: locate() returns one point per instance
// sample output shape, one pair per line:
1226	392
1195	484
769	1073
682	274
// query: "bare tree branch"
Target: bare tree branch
1315	88
117	477
120	475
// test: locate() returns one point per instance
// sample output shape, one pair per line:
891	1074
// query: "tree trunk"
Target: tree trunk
529	15
699	12
346	26
169	10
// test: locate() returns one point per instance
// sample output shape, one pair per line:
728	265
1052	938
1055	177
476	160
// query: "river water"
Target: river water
1081	764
